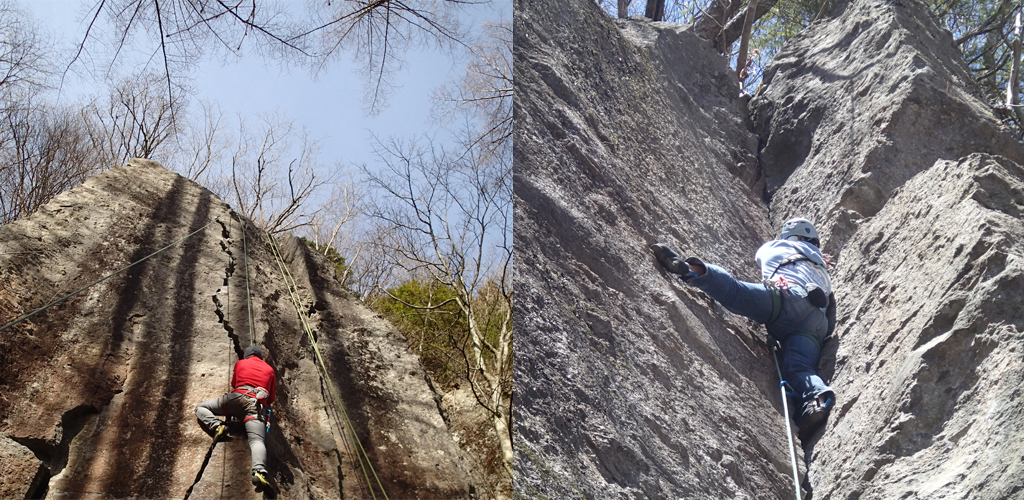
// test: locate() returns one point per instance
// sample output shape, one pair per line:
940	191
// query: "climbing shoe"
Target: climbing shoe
259	479
674	264
814	412
220	433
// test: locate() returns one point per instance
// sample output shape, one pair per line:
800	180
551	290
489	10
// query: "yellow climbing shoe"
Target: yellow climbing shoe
220	432
259	479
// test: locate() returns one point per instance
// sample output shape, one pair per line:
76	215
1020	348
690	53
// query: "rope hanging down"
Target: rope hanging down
119	271
785	412
248	295
364	459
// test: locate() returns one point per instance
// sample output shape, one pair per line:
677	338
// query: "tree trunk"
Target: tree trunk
490	396
1012	86
655	10
504	436
741	58
623	9
723	21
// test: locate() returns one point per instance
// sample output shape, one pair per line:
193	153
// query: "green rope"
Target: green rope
248	295
364	459
66	297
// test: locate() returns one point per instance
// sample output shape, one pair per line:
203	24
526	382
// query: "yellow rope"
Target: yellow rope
364	459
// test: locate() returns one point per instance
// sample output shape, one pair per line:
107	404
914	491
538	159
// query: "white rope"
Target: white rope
789	429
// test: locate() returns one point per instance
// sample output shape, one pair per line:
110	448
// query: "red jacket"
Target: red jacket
255	372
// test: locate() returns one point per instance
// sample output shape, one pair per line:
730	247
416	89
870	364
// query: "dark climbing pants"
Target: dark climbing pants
800	327
239	406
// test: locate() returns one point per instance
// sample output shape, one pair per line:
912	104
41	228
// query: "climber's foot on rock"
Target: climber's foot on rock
670	260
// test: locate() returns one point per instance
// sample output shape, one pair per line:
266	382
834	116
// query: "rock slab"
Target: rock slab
630	384
97	393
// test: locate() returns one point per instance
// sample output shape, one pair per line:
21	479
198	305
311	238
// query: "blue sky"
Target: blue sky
331	106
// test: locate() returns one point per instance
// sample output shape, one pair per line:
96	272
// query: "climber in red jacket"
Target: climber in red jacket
254	382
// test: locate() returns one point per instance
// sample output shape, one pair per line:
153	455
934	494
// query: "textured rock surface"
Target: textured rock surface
100	389
855	106
927	363
631	385
929	360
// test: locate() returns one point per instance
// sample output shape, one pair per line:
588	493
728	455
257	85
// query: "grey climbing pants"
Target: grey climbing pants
236	405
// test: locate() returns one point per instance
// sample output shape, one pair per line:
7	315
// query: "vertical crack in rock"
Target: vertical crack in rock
229	271
341	474
202	469
222	311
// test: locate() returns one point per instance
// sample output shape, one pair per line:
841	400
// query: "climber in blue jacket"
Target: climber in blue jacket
794	301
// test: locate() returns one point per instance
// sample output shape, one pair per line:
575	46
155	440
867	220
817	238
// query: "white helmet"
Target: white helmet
799	229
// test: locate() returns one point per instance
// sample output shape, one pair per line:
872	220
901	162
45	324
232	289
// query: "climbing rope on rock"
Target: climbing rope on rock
364	459
115	273
772	346
248	294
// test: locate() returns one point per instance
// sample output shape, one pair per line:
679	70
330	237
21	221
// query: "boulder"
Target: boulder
871	125
928	367
98	391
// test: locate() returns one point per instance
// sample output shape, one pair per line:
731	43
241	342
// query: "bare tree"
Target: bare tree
180	32
484	94
741	58
275	174
24	65
201	144
174	35
448	218
655	10
134	120
378	33
43	151
723	21
335	226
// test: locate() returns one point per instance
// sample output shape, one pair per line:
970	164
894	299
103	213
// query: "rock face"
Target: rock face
920	192
631	384
97	393
929	352
854	106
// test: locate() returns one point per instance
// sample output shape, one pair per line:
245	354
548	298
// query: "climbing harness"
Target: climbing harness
773	346
776	294
775	289
361	455
249	391
119	271
255	393
797	257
